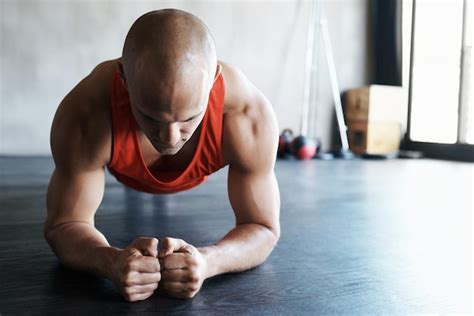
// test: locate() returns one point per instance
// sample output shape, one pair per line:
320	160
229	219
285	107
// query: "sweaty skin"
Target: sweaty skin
169	98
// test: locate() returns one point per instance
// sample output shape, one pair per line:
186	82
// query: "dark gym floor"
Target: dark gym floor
358	237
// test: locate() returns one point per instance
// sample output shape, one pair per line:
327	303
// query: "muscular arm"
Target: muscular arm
81	144
77	185
251	142
255	235
72	236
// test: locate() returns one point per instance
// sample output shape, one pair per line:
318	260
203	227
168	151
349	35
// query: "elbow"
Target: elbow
50	232
276	234
47	233
272	230
272	240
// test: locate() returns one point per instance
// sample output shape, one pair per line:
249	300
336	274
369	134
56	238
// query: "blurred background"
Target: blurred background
48	46
375	79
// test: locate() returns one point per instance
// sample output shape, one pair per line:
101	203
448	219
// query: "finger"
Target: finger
174	261
179	289
147	264
141	289
171	245
138	296
148	246
147	278
174	287
138	292
176	275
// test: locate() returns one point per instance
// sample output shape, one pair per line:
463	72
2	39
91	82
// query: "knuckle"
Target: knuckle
127	291
131	264
193	287
193	268
148	240
194	275
125	283
153	243
127	279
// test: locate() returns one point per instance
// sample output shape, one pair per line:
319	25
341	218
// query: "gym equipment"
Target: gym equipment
317	17
284	143
344	152
303	147
318	14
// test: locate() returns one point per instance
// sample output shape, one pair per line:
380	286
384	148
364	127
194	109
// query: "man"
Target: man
159	120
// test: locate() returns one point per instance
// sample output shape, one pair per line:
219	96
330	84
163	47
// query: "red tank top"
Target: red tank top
127	163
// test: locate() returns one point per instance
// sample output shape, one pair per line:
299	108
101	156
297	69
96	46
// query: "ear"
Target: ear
122	74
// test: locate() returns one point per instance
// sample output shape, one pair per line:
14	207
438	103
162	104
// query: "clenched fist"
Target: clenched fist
136	270
183	268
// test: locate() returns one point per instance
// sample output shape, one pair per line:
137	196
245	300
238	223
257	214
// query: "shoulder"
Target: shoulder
81	132
250	129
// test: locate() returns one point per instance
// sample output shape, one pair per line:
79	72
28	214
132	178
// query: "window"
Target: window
440	110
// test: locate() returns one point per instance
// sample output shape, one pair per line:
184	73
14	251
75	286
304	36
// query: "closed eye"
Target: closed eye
192	118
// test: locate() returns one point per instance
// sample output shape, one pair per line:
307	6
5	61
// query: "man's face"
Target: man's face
169	115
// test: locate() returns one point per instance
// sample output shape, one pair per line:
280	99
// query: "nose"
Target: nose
170	135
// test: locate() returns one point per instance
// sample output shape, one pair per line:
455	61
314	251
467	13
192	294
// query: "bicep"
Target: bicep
254	197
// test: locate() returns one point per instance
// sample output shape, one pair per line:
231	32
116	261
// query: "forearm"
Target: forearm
81	246
244	247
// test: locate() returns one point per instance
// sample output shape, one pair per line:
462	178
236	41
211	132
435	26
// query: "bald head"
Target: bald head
169	65
168	49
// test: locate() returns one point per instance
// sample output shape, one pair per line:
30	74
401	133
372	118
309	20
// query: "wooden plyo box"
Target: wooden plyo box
373	115
374	138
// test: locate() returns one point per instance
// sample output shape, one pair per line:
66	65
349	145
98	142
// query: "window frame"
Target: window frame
457	151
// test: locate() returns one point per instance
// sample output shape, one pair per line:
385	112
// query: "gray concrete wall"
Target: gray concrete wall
48	46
